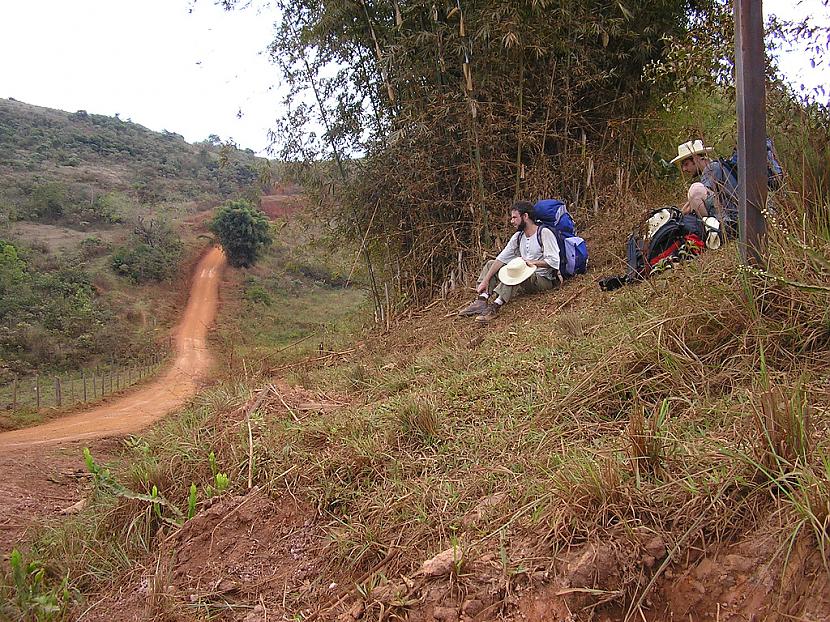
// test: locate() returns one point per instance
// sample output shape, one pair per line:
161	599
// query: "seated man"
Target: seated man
718	179
539	272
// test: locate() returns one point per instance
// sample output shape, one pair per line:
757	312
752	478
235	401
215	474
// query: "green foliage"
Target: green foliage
243	231
191	502
459	110
48	316
32	597
149	165
257	295
222	481
49	200
153	253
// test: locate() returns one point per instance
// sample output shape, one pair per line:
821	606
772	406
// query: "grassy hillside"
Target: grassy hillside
653	453
99	221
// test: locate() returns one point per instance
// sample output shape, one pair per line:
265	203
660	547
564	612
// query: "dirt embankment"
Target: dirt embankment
43	465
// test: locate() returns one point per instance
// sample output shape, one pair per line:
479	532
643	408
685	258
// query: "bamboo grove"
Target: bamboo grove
430	118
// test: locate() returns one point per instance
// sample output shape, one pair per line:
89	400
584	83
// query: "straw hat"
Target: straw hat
515	271
687	150
713	237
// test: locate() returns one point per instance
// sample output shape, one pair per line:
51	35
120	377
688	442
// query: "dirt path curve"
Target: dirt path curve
43	468
137	410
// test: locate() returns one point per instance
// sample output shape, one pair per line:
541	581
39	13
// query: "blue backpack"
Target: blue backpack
775	173
573	252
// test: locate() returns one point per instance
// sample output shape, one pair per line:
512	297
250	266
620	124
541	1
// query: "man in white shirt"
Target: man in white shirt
528	263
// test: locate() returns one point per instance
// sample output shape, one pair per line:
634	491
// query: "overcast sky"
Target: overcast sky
159	64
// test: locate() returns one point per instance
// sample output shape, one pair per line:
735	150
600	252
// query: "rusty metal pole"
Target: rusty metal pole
752	120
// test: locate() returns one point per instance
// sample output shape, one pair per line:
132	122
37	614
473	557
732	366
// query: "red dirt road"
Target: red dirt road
43	467
141	408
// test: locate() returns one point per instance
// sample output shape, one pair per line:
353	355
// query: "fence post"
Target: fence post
83	375
58	400
14	393
37	390
71	389
117	377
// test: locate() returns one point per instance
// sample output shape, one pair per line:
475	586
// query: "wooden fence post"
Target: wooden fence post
71	389
83	374
14	393
58	400
37	390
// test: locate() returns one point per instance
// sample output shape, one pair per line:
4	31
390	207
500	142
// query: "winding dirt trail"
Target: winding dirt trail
137	410
43	466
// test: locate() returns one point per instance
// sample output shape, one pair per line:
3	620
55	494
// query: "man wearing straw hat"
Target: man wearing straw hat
719	181
523	266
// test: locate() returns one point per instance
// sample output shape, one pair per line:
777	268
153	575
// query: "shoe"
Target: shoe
609	284
490	313
477	308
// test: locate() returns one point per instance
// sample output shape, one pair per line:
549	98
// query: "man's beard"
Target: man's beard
521	226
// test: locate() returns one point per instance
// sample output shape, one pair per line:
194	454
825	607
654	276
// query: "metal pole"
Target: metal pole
752	160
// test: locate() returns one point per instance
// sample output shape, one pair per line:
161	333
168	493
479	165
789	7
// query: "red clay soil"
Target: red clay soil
282	202
43	466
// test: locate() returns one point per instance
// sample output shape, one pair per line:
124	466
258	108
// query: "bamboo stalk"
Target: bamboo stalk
381	68
519	135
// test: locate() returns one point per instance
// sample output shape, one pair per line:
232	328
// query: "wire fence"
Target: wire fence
87	385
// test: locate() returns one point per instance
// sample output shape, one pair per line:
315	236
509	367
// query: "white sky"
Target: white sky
156	63
151	61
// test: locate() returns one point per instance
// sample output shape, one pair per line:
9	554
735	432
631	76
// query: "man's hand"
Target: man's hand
482	287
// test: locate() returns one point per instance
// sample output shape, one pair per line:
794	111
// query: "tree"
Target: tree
243	231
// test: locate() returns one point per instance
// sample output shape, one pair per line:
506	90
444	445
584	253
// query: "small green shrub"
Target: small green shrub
152	254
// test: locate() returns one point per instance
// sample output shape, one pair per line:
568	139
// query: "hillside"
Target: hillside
659	452
99	223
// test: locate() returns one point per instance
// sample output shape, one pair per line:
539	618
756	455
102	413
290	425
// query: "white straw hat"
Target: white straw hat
713	237
515	271
687	150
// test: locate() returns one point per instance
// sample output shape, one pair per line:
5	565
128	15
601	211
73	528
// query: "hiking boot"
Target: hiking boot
490	313
477	308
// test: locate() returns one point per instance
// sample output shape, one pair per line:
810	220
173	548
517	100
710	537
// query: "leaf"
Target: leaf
628	14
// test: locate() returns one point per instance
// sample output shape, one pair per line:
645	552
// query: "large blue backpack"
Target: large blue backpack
775	173
573	252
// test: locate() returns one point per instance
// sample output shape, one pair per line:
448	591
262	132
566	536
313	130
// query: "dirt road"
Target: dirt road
141	408
43	466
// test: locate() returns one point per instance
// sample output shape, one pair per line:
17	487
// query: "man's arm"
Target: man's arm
494	267
713	179
510	250
550	257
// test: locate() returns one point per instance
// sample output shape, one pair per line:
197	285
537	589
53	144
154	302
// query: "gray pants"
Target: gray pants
534	283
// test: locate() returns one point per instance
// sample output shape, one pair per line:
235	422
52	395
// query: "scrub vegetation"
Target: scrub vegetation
99	220
658	452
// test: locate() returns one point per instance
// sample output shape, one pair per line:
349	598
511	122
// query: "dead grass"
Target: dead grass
639	415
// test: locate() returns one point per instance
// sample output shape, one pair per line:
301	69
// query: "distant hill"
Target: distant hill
94	154
98	219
